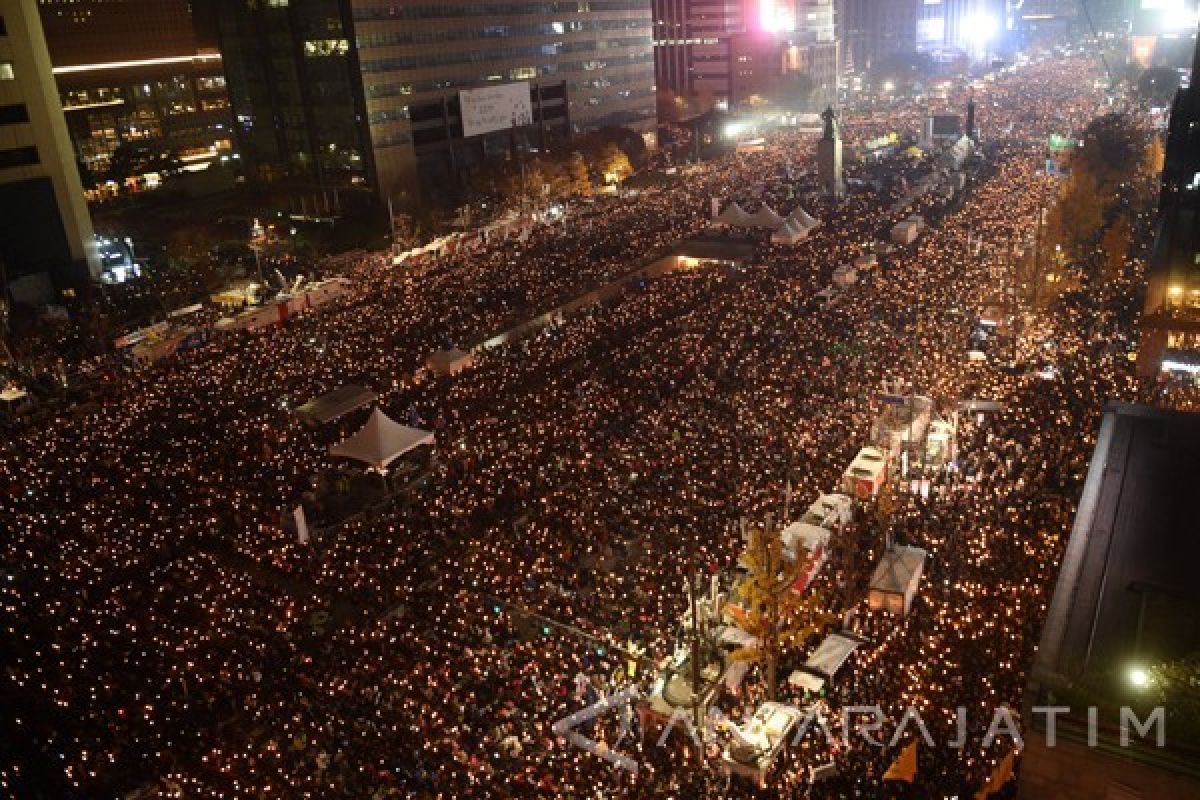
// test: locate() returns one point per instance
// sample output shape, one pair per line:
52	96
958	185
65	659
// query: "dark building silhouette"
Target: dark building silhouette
133	81
1171	316
334	94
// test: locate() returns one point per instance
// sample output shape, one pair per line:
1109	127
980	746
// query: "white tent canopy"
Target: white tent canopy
339	402
896	579
766	217
733	215
789	233
803	219
381	441
824	663
450	361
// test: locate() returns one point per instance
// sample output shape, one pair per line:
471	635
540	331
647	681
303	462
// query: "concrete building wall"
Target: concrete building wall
38	151
1072	771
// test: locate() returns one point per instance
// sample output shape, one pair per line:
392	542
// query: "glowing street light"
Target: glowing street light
1139	677
979	29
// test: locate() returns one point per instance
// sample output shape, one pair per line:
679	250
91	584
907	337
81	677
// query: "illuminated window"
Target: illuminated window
326	47
6	71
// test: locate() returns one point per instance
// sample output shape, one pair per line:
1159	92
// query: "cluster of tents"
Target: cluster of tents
789	230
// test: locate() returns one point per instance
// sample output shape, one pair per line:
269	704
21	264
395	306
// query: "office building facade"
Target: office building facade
1171	315
345	93
46	240
872	30
134	82
727	53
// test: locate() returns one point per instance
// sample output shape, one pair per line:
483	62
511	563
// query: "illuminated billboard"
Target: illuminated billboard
495	108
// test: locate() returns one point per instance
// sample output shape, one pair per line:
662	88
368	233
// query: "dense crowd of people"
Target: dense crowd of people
165	629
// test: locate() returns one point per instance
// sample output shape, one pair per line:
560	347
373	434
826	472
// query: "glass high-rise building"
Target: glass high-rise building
132	78
334	93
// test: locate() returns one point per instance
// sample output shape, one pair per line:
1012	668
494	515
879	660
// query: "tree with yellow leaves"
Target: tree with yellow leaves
1115	244
772	611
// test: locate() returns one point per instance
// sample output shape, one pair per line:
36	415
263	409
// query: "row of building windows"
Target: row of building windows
401	113
518	73
495	9
496	32
18	157
14	114
497	54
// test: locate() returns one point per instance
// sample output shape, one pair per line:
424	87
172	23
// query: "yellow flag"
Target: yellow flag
904	768
1000	776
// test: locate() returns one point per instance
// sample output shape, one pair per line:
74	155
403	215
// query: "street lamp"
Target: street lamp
978	30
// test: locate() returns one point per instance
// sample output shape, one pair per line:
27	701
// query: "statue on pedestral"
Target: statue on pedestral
830	117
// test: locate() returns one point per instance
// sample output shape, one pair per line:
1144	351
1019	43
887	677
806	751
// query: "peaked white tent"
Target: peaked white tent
381	441
766	217
733	215
803	219
789	233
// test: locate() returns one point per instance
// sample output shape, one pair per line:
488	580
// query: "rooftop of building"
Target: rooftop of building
1124	621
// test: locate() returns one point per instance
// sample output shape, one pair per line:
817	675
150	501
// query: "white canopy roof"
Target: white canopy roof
381	441
824	663
803	219
766	217
789	233
897	569
734	215
810	537
339	402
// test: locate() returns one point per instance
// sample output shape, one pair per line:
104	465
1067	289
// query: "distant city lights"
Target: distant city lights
777	17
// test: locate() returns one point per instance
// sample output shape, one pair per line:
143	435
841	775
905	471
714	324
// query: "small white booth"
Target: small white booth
845	276
830	511
866	474
810	545
450	361
824	663
895	582
757	744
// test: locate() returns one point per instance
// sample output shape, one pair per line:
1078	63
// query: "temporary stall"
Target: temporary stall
450	361
895	582
940	443
825	297
954	156
381	441
845	276
866	261
788	233
186	311
824	663
905	232
899	424
757	744
734	216
830	511
804	219
766	218
238	296
338	403
809	544
866	474
323	291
